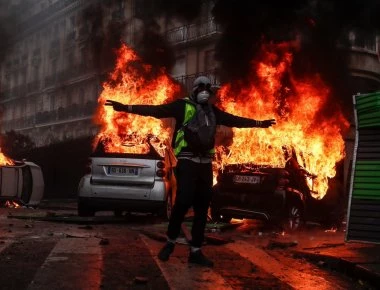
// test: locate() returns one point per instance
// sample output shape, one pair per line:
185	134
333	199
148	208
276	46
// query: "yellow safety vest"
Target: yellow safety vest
180	141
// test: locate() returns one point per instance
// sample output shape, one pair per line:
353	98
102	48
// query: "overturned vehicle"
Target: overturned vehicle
21	183
281	196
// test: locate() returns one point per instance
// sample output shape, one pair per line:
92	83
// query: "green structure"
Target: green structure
363	222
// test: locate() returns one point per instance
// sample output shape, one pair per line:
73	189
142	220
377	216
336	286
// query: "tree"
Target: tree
16	145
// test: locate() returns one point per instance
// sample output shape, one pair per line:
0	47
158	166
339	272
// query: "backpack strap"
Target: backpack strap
190	110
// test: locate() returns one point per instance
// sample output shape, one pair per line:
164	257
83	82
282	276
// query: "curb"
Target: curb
343	266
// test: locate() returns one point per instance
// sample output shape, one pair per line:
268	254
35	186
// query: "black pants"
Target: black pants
194	189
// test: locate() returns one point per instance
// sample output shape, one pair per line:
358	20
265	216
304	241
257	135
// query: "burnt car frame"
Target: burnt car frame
281	196
127	182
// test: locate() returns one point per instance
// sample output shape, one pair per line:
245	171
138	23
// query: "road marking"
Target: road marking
72	264
287	274
180	275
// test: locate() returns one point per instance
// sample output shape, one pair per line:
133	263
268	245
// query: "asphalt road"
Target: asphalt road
52	248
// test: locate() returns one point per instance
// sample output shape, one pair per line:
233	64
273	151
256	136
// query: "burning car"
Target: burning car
21	183
134	182
280	195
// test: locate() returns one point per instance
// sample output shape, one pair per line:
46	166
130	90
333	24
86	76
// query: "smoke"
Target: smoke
104	36
150	43
319	26
153	46
8	25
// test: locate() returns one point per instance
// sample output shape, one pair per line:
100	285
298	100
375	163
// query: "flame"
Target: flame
332	230
132	82
272	91
4	160
297	105
11	204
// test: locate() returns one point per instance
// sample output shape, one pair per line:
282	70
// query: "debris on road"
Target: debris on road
281	245
141	280
104	242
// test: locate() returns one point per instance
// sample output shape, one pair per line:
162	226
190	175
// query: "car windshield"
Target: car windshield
131	146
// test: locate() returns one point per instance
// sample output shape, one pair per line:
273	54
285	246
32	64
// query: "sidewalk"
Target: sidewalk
359	260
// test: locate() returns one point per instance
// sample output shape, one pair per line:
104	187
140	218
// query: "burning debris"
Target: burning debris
9	204
4	160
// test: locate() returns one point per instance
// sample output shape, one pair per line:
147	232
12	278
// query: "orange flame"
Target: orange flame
297	107
133	82
11	204
4	160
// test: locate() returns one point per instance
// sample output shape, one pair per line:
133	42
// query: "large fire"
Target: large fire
132	83
296	104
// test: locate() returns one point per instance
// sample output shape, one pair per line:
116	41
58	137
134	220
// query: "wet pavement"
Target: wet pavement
113	251
356	259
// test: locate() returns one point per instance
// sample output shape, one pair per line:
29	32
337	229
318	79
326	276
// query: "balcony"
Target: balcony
60	115
193	32
188	80
364	59
69	74
34	86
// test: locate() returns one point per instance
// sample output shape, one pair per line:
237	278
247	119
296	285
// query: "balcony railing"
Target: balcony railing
192	32
34	86
50	117
363	42
188	80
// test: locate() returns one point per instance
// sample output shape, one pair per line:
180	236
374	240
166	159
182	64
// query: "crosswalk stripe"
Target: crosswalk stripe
180	275
72	264
295	278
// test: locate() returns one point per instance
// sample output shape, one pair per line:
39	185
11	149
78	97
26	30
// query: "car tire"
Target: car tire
294	216
84	210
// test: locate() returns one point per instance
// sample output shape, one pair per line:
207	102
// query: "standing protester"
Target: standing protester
196	120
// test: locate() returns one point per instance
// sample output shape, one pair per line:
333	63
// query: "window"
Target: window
179	68
210	63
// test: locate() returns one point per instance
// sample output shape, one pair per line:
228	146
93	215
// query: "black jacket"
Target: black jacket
176	110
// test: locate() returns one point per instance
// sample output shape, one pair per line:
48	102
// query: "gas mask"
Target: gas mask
202	97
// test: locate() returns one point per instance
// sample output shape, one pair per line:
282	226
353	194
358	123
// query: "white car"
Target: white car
22	183
121	182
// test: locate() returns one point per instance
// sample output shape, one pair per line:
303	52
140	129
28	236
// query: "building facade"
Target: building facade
51	78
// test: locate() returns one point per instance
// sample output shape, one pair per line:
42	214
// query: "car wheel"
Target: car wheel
84	210
294	217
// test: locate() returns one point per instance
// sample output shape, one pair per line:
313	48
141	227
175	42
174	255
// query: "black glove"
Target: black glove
116	106
267	123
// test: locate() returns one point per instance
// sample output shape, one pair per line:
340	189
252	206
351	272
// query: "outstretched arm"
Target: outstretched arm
229	120
157	111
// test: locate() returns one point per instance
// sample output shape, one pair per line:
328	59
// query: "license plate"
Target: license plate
246	179
123	171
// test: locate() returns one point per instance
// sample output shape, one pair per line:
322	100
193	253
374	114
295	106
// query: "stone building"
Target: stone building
51	75
51	79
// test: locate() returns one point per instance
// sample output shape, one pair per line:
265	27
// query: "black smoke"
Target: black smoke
319	26
104	36
8	26
153	45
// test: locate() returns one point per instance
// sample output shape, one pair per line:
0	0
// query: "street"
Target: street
52	248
